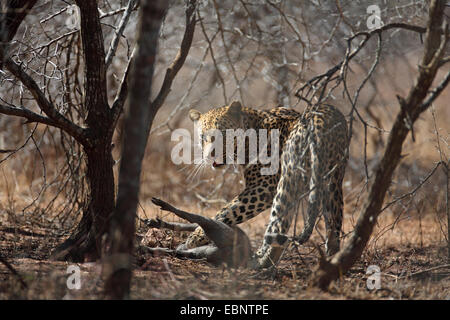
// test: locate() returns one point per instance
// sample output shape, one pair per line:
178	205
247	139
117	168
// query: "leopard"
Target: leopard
313	152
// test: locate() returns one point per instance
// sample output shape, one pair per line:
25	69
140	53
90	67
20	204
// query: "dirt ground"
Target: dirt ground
409	244
411	256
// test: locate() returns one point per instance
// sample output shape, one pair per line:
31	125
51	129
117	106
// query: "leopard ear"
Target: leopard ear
235	110
235	107
194	115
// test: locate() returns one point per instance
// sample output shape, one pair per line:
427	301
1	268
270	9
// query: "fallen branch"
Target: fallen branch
418	273
14	272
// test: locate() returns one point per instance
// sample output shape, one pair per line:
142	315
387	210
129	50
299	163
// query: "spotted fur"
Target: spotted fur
313	147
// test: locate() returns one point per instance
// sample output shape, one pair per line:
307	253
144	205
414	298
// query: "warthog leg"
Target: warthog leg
174	226
207	252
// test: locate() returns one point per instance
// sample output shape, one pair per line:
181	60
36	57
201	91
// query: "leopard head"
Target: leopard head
211	130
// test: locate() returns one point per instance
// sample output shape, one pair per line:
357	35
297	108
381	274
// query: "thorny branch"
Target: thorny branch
119	31
436	40
321	81
180	58
44	104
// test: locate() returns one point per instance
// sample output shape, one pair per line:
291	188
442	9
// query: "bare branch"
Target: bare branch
57	13
436	92
178	62
411	108
44	104
27	114
65	35
119	31
171	72
444	61
322	79
209	41
122	94
413	191
11	16
390	26
227	52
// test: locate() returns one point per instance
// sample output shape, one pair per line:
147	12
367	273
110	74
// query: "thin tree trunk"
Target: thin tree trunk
11	16
447	206
138	118
138	121
85	242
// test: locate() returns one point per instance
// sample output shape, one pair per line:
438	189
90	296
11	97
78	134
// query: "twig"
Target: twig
119	31
415	274
436	92
55	14
227	53
208	40
314	82
56	118
415	189
14	272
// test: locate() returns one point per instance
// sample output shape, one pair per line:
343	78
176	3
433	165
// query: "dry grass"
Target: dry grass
402	253
408	243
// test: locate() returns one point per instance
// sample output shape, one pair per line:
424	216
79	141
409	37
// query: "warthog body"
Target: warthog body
230	245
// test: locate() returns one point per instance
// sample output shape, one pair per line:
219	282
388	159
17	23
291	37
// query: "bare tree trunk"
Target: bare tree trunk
84	243
447	206
138	121
118	264
12	13
411	108
96	139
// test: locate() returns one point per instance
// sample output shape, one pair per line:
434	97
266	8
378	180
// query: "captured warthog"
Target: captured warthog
230	245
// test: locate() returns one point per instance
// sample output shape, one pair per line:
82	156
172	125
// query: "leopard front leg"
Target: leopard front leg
254	199
283	209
